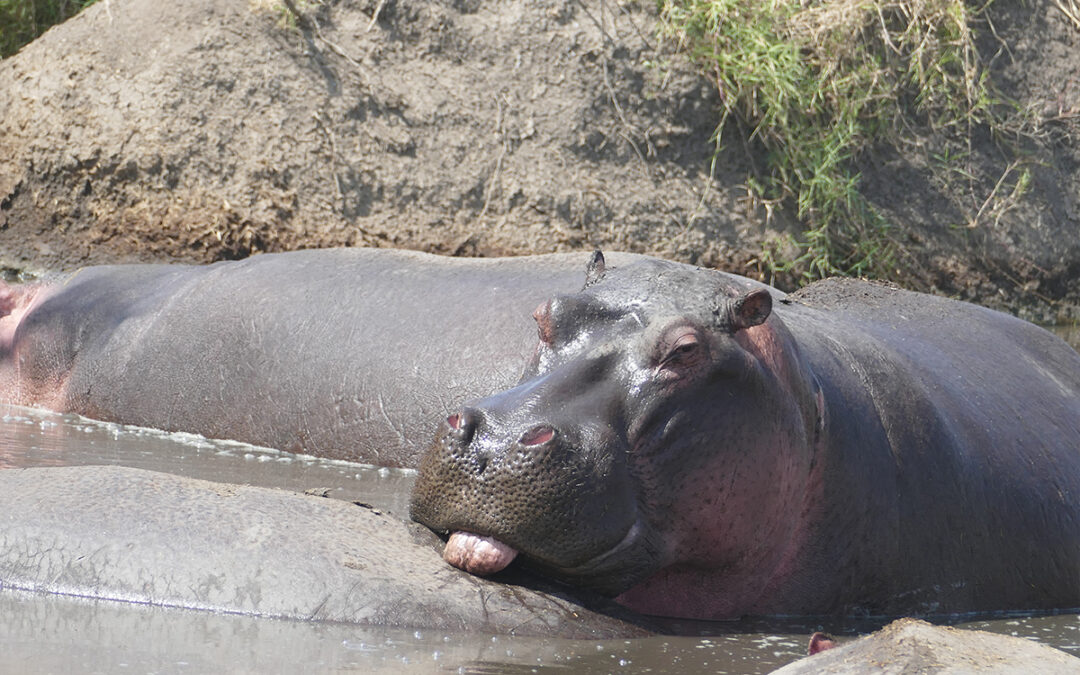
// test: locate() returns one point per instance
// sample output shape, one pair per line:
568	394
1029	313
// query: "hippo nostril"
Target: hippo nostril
462	425
537	435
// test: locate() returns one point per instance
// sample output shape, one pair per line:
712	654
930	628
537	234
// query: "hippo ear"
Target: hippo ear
751	309
594	270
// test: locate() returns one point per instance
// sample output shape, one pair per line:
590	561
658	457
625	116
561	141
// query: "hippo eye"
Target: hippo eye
683	352
683	348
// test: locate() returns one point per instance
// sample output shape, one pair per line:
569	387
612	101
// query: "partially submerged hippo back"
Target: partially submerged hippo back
912	646
676	442
345	353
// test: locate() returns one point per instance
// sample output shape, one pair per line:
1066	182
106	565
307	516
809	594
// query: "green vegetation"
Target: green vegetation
290	13
23	20
814	82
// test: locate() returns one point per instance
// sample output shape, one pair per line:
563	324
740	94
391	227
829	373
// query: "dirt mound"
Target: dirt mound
213	129
207	129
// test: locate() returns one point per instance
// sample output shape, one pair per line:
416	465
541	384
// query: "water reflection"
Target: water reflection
41	633
32	437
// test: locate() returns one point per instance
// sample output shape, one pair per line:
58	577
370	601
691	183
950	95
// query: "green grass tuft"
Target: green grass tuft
21	21
814	83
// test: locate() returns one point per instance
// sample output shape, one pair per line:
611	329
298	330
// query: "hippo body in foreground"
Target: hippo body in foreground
346	353
701	446
132	535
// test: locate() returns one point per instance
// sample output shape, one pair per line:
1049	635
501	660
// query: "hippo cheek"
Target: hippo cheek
569	510
734	510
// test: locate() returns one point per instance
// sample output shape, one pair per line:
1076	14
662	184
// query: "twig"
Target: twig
622	116
333	157
302	19
375	15
311	26
993	193
599	23
1071	9
495	174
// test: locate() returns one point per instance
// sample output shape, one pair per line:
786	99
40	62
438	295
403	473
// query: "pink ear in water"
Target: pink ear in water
820	642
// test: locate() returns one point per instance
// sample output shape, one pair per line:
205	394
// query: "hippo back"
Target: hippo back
349	353
955	431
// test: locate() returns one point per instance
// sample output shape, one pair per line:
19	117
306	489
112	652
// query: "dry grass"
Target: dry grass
1071	10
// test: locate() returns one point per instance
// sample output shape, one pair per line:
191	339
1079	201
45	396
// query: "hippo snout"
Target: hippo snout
471	440
504	481
462	426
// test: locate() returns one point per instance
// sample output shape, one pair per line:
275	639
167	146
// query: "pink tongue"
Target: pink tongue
476	554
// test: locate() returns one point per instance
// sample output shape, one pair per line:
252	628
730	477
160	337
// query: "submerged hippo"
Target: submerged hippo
912	646
700	445
348	353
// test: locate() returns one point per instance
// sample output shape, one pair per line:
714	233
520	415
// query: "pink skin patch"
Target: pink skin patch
820	642
7	299
476	554
15	302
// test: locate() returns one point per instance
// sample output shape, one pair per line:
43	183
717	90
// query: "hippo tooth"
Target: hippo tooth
476	554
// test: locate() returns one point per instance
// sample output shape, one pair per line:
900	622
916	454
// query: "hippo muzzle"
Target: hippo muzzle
503	478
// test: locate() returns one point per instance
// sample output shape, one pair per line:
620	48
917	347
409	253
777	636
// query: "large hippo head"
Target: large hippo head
658	446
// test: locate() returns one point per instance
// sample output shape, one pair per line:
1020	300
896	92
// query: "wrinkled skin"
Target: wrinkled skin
345	353
702	446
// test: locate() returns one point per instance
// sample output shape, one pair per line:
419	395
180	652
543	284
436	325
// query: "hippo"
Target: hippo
344	353
913	646
118	533
699	445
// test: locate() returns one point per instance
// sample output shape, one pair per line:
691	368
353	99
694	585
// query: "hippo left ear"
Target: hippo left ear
751	309
594	270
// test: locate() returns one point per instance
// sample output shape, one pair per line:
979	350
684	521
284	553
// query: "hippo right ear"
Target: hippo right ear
594	270
751	309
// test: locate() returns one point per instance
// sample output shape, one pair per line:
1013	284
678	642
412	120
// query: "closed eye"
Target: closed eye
683	354
680	352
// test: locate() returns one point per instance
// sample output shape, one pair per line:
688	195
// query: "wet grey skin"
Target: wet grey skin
700	445
117	533
343	353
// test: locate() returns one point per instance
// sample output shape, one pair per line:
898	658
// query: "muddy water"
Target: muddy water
40	634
